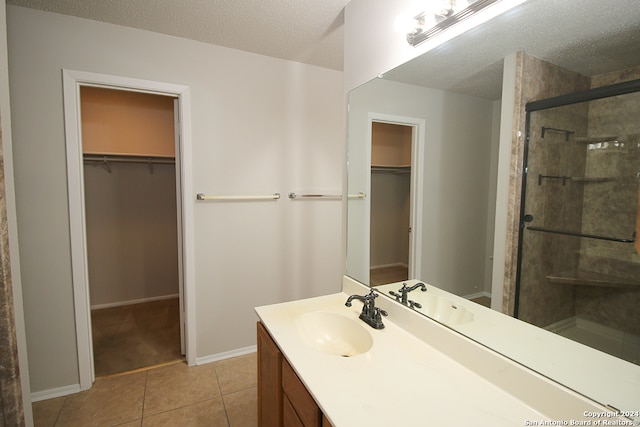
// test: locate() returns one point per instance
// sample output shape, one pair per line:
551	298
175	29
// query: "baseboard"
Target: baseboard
226	355
589	326
55	392
75	388
478	295
135	301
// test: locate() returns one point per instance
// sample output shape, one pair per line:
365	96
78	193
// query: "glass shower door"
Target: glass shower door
578	267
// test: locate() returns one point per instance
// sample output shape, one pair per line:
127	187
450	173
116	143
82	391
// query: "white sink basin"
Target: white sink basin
333	333
444	310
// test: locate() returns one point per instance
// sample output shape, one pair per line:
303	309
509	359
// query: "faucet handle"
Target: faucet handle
413	304
396	295
380	311
376	318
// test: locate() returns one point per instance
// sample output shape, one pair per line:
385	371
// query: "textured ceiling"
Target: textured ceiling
308	31
590	37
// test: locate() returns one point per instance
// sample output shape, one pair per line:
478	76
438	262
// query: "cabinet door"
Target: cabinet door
289	415
301	400
269	380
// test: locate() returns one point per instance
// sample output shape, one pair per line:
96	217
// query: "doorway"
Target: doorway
128	146
395	200
73	82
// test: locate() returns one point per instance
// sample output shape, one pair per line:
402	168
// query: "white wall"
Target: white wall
457	170
259	125
131	227
390	203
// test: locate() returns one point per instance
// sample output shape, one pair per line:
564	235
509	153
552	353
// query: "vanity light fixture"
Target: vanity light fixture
443	14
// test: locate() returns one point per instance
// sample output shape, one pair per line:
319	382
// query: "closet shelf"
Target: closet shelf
105	160
105	157
391	169
590	278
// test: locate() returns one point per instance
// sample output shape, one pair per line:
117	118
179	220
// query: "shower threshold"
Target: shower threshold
604	338
590	278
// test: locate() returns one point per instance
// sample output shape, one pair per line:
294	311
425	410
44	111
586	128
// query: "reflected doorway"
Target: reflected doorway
391	202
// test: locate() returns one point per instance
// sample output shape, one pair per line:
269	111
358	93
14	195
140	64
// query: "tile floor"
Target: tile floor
382	276
486	301
222	393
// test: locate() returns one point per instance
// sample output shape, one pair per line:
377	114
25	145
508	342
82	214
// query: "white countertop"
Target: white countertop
600	376
406	379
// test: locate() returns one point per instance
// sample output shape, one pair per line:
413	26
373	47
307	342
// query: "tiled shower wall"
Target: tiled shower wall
592	207
556	204
612	207
552	204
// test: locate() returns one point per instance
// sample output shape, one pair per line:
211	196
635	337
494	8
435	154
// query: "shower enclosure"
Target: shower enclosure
578	262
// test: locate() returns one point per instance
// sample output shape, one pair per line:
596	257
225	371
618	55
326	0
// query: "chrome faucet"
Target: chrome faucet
402	296
371	315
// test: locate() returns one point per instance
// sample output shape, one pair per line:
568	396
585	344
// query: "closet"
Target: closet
390	201
128	141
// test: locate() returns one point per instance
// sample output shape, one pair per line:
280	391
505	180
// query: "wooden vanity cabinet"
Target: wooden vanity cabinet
283	400
270	396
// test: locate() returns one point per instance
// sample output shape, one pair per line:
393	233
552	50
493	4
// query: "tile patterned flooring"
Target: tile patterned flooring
222	393
486	301
384	275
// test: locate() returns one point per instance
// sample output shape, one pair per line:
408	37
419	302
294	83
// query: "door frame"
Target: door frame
417	174
72	81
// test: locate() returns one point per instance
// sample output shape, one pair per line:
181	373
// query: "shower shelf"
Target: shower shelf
584	179
596	139
590	278
590	179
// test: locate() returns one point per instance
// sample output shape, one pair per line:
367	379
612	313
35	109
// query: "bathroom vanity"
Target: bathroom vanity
320	365
283	399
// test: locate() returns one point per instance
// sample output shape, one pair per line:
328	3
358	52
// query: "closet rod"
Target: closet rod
128	159
588	236
201	196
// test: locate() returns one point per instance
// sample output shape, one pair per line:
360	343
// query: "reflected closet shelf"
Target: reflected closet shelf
590	278
390	169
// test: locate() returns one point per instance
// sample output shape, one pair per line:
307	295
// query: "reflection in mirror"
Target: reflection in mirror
578	272
391	200
451	200
457	90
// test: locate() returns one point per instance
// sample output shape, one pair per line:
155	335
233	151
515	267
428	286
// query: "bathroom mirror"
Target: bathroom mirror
437	120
